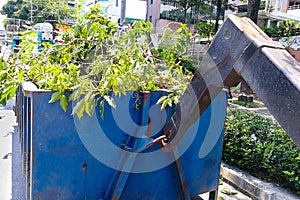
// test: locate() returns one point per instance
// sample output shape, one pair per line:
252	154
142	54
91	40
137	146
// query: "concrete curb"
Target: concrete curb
262	111
255	188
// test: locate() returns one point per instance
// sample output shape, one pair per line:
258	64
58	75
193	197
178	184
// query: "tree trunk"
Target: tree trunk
253	7
190	19
218	14
123	11
184	15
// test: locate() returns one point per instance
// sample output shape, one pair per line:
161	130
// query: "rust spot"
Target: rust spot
184	187
180	171
168	132
115	197
146	95
149	128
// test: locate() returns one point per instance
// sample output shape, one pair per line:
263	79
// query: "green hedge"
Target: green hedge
262	148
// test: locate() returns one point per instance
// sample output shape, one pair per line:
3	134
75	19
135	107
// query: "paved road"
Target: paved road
7	122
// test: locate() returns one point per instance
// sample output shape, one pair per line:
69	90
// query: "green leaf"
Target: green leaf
79	109
161	99
89	103
64	102
110	101
170	102
102	109
164	104
228	192
55	97
176	100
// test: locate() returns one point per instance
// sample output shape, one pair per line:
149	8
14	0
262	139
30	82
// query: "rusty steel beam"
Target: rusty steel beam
240	50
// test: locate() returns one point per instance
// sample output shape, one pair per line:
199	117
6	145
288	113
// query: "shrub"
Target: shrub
262	148
205	30
286	29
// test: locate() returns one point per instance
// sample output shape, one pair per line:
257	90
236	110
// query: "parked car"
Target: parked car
15	45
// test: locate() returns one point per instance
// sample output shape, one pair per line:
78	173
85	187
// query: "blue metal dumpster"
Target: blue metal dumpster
116	157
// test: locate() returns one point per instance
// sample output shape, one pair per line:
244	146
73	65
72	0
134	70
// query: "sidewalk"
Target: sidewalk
254	187
7	122
226	192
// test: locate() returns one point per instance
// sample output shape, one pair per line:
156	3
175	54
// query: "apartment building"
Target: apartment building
134	10
272	11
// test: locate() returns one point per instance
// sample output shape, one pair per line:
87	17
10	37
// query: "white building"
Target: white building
272	11
135	9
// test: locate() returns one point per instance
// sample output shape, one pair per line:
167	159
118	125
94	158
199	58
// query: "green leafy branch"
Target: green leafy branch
95	59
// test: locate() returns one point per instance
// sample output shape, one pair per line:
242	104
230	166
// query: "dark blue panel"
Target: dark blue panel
59	158
71	159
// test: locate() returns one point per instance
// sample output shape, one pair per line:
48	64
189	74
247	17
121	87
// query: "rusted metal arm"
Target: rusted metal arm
240	50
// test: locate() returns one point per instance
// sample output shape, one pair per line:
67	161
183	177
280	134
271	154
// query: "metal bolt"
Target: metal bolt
227	34
84	167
